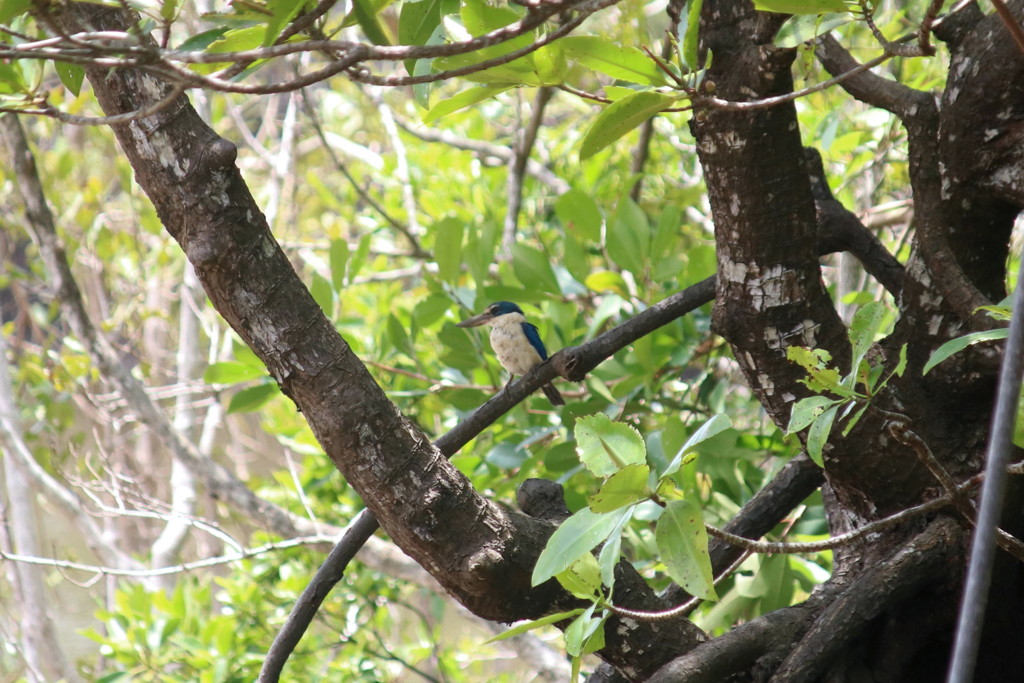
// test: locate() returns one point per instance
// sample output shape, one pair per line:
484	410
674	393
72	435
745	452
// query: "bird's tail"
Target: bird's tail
553	395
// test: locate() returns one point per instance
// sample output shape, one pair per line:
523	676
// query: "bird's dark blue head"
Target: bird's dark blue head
495	310
503	307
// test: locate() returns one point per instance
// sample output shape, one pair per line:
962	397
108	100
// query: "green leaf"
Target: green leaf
625	487
715	425
12	8
576	536
585	634
960	343
239	39
519	72
801	6
417	25
863	329
202	41
582	578
549	63
690	37
611	553
367	14
605	447
607	281
806	410
683	547
580	215
533	268
817	435
71	75
417	21
399	336
536	623
12	80
251	399
622	116
338	254
448	248
232	372
801	28
623	63
168	10
322	293
282	12
464	99
629	237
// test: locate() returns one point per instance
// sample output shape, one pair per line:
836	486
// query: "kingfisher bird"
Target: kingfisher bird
515	341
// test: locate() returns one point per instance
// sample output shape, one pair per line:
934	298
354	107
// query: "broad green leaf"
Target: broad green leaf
629	237
12	80
806	410
420	24
448	248
801	28
607	281
622	116
801	6
480	17
519	72
368	16
251	399
536	623
576	536
625	487
582	578
817	435
282	12
202	41
417	21
821	377
863	329
168	10
12	8
690	37
622	63
960	343
533	268
338	254
605	447
464	99
549	64
715	425
71	75
683	545
585	634
322	293
399	336
611	553
232	372
580	215
239	39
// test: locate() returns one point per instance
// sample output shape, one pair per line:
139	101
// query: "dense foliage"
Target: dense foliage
405	210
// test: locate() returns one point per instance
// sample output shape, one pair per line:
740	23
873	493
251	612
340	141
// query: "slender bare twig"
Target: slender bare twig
227	558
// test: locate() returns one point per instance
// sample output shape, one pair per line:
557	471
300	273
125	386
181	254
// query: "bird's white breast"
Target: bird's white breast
511	346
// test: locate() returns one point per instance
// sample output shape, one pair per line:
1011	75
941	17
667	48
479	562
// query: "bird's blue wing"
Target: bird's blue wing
533	337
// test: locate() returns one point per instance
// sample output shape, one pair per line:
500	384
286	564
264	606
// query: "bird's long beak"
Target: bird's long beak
476	320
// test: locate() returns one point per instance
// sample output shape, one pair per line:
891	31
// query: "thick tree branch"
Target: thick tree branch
929	557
